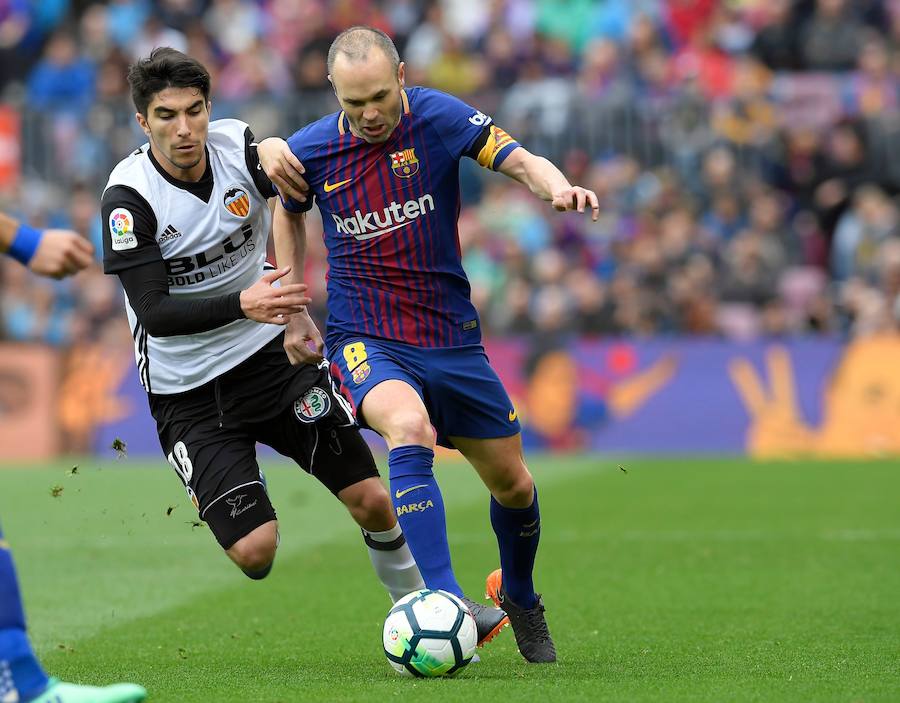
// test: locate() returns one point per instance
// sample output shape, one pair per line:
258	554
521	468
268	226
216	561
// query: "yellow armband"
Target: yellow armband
497	139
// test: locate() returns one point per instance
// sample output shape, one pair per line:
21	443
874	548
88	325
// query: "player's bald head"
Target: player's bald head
367	76
357	42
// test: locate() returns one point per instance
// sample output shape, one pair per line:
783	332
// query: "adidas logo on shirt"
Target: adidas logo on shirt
169	234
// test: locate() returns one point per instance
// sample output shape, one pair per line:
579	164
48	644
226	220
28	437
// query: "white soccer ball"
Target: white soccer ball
429	633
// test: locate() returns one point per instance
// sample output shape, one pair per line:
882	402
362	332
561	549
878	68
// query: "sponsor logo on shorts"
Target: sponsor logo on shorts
361	372
237	506
419	507
121	228
513	414
314	404
334	444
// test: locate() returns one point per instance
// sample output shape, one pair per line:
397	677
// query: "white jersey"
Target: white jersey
212	237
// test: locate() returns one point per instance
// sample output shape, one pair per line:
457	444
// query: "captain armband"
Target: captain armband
496	141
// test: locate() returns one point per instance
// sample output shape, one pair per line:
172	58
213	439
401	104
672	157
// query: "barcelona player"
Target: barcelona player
55	253
401	327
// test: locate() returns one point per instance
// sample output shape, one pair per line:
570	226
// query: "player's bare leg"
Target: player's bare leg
395	410
371	508
500	463
369	504
255	552
515	517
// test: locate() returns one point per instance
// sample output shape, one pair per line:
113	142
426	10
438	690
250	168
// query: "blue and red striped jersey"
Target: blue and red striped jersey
390	215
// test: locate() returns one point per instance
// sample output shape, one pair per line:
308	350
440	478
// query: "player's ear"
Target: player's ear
333	88
142	123
401	74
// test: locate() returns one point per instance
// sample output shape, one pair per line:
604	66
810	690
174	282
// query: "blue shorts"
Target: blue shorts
463	394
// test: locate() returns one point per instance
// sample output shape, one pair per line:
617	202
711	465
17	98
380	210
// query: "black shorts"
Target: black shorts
209	436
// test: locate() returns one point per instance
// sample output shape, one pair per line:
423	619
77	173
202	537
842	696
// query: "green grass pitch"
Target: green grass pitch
670	580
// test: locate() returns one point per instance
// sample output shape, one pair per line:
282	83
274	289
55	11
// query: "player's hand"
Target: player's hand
577	198
61	253
283	168
263	302
300	333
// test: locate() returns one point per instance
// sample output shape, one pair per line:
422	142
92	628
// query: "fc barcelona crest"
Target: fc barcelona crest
237	202
404	163
361	372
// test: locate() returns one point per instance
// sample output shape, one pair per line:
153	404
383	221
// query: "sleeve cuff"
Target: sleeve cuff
501	156
234	306
295	206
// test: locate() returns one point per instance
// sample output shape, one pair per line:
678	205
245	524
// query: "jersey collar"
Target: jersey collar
201	189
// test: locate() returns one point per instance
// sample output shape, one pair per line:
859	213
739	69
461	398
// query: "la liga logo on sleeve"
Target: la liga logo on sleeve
121	229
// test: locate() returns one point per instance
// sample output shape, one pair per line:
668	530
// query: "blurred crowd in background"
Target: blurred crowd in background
746	153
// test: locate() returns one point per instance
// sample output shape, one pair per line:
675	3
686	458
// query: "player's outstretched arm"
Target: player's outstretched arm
54	252
283	168
289	233
548	183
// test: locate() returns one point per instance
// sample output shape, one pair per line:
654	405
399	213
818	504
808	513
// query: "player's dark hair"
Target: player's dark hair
355	43
165	68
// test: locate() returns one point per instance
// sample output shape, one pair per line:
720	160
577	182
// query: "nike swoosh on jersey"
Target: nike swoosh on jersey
400	494
328	187
513	414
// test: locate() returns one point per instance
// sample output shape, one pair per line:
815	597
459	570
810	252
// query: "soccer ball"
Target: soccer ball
429	633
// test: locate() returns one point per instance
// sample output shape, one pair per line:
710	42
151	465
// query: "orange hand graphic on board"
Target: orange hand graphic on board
861	406
776	428
88	397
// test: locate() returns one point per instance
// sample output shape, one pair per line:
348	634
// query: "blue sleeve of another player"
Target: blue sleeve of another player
464	130
296	142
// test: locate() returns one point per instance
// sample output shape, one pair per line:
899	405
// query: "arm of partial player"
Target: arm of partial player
51	252
548	183
289	234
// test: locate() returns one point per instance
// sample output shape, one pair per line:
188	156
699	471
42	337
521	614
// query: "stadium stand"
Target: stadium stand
747	167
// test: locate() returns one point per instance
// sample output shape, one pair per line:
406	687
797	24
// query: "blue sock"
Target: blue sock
518	533
420	511
19	669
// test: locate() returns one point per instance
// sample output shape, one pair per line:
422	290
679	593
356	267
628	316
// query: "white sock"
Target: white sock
393	562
